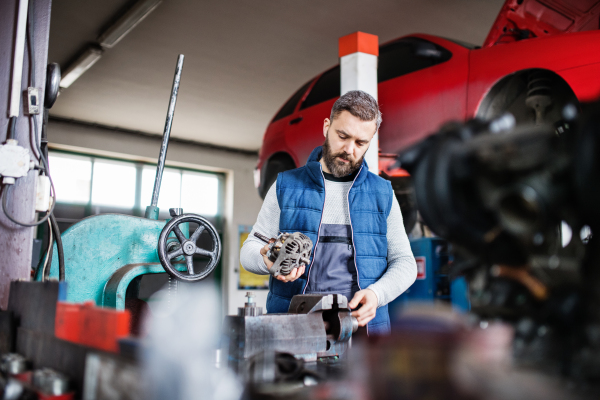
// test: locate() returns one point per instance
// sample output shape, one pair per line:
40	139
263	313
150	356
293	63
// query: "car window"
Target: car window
289	107
408	55
327	87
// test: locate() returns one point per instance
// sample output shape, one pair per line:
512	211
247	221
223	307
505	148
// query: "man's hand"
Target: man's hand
368	299
294	274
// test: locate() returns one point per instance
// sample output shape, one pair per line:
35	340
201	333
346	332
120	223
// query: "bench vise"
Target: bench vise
316	326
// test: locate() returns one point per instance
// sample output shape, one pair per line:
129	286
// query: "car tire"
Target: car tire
405	194
519	93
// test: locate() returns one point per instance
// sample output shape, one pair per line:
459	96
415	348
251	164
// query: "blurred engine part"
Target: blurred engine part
506	198
178	358
50	382
13	364
12	389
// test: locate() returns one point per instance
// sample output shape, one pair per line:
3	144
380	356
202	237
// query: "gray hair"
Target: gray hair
360	104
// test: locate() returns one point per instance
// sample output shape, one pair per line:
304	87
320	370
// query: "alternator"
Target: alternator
287	252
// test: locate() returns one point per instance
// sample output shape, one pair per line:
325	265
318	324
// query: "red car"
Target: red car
538	56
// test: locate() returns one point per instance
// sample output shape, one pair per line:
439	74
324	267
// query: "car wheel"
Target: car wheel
534	96
278	163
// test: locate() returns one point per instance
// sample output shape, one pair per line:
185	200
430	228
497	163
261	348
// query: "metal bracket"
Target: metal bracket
116	287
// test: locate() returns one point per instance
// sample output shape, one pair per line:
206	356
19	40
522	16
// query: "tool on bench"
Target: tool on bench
287	251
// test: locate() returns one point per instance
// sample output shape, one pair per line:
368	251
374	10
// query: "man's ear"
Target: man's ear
326	124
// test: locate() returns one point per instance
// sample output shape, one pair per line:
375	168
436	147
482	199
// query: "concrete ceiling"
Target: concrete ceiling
243	58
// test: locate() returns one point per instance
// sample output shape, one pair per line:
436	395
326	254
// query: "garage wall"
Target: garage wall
242	202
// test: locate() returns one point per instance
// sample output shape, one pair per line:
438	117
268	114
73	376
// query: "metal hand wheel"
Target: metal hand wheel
188	248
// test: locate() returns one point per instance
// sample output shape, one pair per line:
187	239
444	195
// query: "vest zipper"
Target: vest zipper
352	229
352	232
318	231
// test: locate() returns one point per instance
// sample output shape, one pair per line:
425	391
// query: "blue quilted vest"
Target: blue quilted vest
301	197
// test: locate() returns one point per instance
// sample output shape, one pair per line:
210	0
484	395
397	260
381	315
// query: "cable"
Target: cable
42	259
48	259
59	248
44	153
49	212
41	157
48	263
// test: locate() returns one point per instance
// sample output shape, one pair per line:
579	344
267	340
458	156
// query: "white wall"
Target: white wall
242	202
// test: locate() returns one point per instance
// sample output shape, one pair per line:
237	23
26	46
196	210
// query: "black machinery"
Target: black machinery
507	197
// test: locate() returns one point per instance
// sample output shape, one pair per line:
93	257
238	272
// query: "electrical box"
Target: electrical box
42	198
14	161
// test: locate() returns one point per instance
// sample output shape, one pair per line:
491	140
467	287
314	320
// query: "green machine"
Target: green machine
104	254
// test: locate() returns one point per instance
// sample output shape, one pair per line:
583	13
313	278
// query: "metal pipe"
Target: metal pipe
163	149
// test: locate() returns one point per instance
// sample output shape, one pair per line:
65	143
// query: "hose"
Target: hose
59	247
48	261
42	260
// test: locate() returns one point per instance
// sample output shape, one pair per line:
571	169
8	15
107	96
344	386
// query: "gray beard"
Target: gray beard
337	168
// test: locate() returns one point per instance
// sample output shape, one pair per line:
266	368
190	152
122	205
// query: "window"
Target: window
289	107
327	87
408	55
170	188
113	184
72	177
88	185
195	193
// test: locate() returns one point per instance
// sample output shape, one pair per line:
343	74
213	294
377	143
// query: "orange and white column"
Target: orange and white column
358	54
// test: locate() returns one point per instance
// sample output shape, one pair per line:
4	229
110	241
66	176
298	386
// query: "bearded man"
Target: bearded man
360	247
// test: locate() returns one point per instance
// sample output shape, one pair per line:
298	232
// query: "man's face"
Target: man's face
347	139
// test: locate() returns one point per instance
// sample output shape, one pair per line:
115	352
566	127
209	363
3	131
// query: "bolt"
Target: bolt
189	248
250	296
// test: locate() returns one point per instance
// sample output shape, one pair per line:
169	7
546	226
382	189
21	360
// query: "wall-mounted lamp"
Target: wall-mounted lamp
108	39
80	65
127	22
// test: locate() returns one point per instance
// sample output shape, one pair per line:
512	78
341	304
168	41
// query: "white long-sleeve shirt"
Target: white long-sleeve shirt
402	268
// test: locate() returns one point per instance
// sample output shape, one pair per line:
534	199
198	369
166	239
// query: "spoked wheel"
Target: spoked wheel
170	251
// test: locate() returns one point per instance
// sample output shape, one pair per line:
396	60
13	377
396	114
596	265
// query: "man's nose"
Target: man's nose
349	148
